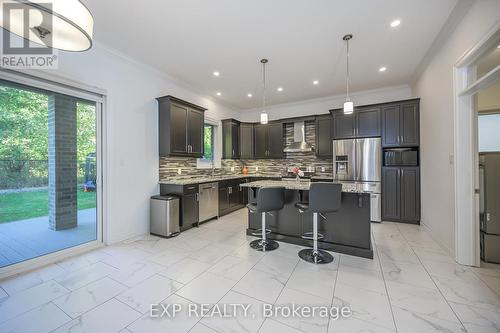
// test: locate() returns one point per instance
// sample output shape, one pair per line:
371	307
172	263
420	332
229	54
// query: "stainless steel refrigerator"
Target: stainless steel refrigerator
489	198
359	162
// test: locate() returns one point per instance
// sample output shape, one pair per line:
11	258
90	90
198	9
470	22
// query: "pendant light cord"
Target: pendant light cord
264	87
347	76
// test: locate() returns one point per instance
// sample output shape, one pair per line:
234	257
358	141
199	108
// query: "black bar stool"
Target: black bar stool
323	198
268	199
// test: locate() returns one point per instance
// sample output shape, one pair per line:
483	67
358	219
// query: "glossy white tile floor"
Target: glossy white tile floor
410	286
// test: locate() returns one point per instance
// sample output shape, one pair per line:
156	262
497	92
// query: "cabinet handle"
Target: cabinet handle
197	196
233	152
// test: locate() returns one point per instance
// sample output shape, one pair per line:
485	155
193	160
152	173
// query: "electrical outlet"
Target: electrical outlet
179	171
323	169
232	169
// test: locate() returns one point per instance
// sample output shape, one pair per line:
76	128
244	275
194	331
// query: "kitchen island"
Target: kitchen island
345	231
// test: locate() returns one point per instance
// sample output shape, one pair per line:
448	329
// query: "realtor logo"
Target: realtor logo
26	36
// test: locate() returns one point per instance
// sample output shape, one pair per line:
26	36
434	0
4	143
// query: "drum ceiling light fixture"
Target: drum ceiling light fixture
60	24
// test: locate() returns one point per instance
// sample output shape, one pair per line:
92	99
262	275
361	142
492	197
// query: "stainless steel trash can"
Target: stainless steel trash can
164	216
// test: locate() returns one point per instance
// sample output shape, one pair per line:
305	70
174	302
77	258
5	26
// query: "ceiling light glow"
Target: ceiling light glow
249	95
395	23
280	89
216	73
218	94
315	82
382	69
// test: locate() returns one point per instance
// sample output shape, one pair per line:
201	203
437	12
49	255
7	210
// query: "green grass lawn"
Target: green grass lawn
25	205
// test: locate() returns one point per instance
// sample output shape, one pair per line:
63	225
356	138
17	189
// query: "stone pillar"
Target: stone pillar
62	162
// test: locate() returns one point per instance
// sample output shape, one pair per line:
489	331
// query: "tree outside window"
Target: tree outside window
208	141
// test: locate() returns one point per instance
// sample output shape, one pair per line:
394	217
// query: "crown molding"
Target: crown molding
457	14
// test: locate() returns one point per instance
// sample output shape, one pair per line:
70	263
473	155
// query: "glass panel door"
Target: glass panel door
48	172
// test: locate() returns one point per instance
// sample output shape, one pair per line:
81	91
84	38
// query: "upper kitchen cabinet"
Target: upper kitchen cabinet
324	136
268	140
368	122
246	141
364	122
344	125
180	127
400	124
230	139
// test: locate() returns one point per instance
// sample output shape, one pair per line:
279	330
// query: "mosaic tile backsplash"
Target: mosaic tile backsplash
320	166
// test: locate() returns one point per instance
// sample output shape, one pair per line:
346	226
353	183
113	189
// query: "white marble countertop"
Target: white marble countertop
209	179
302	185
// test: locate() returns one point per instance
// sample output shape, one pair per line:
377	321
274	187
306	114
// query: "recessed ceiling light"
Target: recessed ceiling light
249	95
395	23
498	47
218	94
280	89
216	73
382	69
315	82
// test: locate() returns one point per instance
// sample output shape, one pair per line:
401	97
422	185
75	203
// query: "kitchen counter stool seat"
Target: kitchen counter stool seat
323	198
268	199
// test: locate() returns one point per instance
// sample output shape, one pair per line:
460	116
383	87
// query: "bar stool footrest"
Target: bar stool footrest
258	232
309	235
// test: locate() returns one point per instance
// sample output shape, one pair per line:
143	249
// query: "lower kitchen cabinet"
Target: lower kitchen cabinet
189	203
231	196
401	194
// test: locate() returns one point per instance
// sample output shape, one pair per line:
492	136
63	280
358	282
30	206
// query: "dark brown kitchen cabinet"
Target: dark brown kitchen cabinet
364	122
324	136
230	139
180	127
344	125
189	202
275	140
368	122
268	141
391	189
246	141
260	141
401	125
231	198
401	194
410	194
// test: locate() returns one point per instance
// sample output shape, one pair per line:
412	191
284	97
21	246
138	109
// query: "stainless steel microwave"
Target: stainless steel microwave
401	157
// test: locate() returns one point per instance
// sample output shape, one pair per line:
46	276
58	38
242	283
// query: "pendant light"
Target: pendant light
263	116
60	24
348	104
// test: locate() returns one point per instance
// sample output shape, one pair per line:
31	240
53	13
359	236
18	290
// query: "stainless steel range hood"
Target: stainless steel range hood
299	144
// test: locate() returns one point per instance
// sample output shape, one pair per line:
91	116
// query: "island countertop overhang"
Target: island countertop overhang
302	185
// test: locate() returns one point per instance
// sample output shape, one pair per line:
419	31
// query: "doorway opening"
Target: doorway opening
476	74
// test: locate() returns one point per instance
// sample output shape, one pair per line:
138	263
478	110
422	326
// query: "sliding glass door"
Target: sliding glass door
49	172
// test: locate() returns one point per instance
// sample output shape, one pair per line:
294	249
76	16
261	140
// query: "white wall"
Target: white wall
435	88
131	130
322	105
489	136
489	99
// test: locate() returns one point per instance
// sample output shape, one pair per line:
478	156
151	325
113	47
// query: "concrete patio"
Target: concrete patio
31	238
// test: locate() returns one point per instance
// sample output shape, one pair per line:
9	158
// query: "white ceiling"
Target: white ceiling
190	39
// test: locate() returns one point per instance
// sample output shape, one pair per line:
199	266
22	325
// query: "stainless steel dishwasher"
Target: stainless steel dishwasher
209	201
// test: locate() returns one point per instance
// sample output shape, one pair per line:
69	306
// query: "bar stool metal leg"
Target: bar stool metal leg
264	244
315	255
